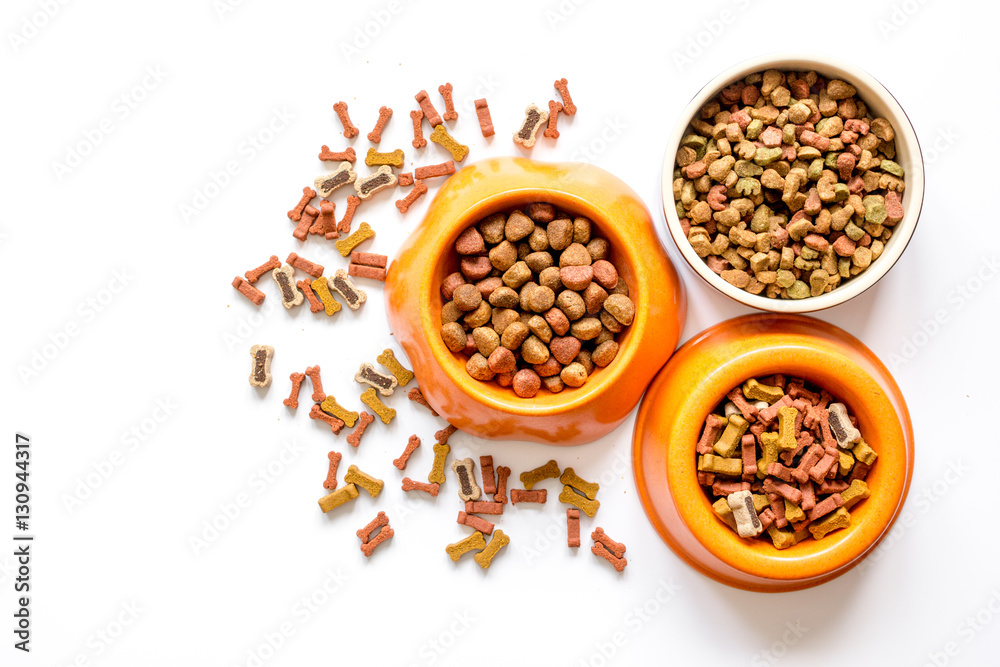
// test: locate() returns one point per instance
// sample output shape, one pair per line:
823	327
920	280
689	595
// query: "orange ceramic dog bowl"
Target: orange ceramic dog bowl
692	385
573	416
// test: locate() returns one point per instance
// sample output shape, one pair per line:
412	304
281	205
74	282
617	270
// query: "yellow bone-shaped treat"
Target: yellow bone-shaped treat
376	159
730	439
755	391
571	497
346	245
570	478
332	407
440	136
497	542
473	542
371	399
436	475
531	477
388	359
338	497
364	480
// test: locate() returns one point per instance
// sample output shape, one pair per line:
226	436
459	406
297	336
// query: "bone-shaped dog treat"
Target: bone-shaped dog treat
384	114
253	275
829	461
600	550
411	445
417	397
503	472
377	181
376	159
362	271
338	498
551	131
748	411
568	107
326	223
375	524
410	485
731	437
825	506
572	527
371	399
713	426
291	296
315	305
362	234
344	226
335	424
475	522
307	194
485	120
367	374
571	497
616	548
433	117
330	406
370	484
325	184
345	287
330	483
369	259
405	179
440	136
403	375
570	478
260	370
464	470
548	471
434	170
473	542
769	414
436	475
755	391
485	557
364	419
382	536
322	289
445	433
840	425
293	398
786	428
303	264
417	117
248	290
313	373
489	477
449	104
524	496
309	215
326	155
748	444
345	120
487	507
747	522
418	191
534	118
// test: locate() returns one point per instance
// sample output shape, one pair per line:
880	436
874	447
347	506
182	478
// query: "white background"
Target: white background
176	333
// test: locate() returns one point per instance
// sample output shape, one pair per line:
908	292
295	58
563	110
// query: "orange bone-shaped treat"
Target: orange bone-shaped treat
568	107
417	396
434	170
303	264
551	131
293	398
309	215
318	394
335	424
382	536
253	275
485	120
344	226
326	155
503	472
248	290
384	114
331	476
326	222
417	116
441	137
418	191
345	120
405	179
364	419
449	104
411	445
307	195
489	477
433	117
364	534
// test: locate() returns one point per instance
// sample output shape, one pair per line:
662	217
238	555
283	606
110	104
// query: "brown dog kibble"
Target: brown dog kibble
489	478
427	107
449	104
572	527
364	420
382	536
380	520
434	170
254	275
568	107
405	179
570	478
608	549
313	373
248	290
326	155
571	497
330	483
485	120
503	472
371	399
349	130
525	496
344	226
309	215
315	305
411	445
384	114
417	116
293	398
326	223
534	118
260	370
475	522
548	471
359	478
464	470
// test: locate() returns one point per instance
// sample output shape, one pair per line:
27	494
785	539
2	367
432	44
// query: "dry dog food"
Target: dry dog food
321	287
330	483
375	136
417	117
347	245
434	170
539	298
336	425
248	290
371	399
787	459
411	445
384	384
441	137
260	370
570	478
368	543
330	406
418	191
293	398
313	373
326	183
364	480
403	376
364	420
608	549
338	498
485	120
309	215
534	118
473	542
525	496
548	471
489	478
378	180
380	520
571	497
405	179
498	542
326	223
464	470
503	472
307	196
349	130
344	226
427	107
303	264
291	296
368	265
441	451
326	155
786	185
417	397
572	527
568	107
254	275
475	522
483	507
551	130
341	282
449	105
392	159
410	485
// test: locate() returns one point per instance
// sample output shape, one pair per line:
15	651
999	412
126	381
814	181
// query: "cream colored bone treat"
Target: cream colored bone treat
840	425
291	295
326	183
747	522
464	470
534	118
341	282
260	370
384	384
375	182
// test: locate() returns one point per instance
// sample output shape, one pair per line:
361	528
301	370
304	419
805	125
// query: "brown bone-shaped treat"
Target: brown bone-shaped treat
336	425
375	524
410	485
331	476
326	222
260	370
551	131
309	215
326	155
418	191
534	118
303	264
434	170
417	117
293	398
440	136
369	259
364	419
344	226
485	120
483	507
617	548
248	290
600	550
326	183
485	557
307	195
525	496
433	117
489	477
503	472
382	536
405	179
411	445
417	396
253	275
475	522
312	372
384	114
568	107
445	433
573	527
464	470
376	159
570	478
384	384
531	477
449	104
571	497
345	120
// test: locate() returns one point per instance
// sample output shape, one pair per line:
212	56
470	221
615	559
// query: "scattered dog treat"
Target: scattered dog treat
344	226
405	179
384	384
338	498
249	291
392	159
473	542
551	131
345	287
483	507
362	271
293	398
349	130
467	487
572	527
784	183
418	191
346	245
326	223
410	485
303	264
444	434
475	522
524	496
485	557
427	107
378	180
571	497
326	155
364	480
375	136
534	118
417	397
411	445
486	470
336	425
791	476
331	476
313	373
436	474
568	107
418	129
570	478
434	170
364	419
548	471
321	287
382	536
371	399
403	375
375	524
485	120
254	275
326	183
307	196
608	549
291	296
503	472
440	136
260	371
309	215
449	105
330	406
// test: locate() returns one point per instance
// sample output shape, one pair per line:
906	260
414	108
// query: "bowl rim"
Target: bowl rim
914	181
